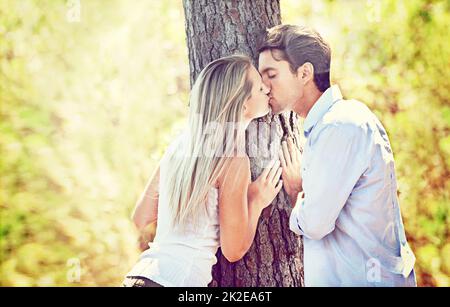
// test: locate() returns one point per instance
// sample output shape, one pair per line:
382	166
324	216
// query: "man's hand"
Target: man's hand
290	158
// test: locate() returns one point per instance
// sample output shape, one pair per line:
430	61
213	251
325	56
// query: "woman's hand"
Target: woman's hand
290	157
263	190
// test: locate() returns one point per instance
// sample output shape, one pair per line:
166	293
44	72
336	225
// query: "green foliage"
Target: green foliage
88	107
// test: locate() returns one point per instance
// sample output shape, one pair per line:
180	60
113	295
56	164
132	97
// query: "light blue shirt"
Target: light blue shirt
350	216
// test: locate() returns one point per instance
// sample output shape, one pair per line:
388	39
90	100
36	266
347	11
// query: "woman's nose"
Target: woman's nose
266	89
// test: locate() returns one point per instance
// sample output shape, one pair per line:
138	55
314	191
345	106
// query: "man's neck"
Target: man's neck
308	100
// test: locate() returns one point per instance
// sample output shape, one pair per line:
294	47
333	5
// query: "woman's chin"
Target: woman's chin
267	113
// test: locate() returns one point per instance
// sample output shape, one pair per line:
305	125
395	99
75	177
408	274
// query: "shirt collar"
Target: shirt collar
322	105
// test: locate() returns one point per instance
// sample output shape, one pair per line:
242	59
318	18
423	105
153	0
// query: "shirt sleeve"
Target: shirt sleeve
335	163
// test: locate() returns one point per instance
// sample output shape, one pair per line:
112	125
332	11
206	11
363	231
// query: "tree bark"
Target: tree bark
219	28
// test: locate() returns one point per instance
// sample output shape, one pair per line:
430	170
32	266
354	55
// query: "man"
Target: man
343	186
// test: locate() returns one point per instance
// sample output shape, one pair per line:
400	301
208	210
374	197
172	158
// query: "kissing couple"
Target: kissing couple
342	185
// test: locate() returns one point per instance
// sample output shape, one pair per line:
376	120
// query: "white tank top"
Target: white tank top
181	258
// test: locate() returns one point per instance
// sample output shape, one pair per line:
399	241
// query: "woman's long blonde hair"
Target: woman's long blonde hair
216	101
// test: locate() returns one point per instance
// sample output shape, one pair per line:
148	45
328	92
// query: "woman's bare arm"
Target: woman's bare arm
241	203
146	209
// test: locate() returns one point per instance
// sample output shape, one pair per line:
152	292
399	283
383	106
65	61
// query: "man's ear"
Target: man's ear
306	72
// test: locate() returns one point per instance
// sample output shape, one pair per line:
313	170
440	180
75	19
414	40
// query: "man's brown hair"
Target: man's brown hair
298	45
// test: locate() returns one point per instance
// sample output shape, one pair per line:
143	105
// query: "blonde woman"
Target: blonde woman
201	194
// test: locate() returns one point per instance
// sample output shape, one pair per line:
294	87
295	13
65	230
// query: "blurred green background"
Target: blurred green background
89	102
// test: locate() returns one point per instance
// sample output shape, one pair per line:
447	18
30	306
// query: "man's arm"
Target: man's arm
336	162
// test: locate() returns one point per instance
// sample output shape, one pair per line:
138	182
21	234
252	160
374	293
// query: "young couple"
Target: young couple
342	187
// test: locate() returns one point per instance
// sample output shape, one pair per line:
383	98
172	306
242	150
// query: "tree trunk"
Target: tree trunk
219	28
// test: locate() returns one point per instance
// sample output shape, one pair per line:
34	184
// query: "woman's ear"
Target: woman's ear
244	109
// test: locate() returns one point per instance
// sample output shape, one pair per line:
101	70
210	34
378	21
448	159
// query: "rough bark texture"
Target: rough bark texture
219	28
